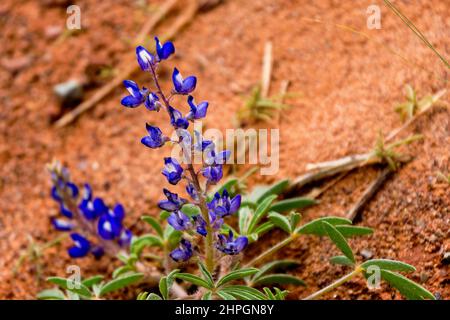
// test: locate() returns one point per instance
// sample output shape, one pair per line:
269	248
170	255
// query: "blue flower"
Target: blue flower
179	221
87	192
67	187
190	189
62	225
55	194
65	211
93	209
81	247
172	170
173	202
152	102
108	228
97	252
200	225
183	253
197	111
200	143
118	213
223	205
144	58
155	138
136	97
165	50
213	157
213	173
125	238
183	86
176	119
230	246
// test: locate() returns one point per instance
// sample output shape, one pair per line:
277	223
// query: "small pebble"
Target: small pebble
366	254
446	258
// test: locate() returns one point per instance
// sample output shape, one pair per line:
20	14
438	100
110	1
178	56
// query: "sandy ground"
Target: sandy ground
348	84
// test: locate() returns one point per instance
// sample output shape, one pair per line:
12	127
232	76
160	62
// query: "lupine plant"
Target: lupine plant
208	227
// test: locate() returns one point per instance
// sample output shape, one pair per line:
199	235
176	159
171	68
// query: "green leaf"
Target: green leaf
172	236
225	296
206	274
120	283
342	260
51	294
279	278
280	221
260	211
121	270
387	264
207	295
227	185
193	279
262	228
274	265
163	215
71	285
148	240
274	189
339	240
351	231
89	282
154	224
245	214
316	227
280	295
235	275
292	203
269	293
294	219
407	288
244	293
153	296
190	210
164	288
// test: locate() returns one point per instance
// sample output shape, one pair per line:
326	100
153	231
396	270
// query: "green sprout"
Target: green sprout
413	105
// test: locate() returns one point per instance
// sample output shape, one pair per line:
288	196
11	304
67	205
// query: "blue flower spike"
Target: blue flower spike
155	138
172	170
181	85
164	51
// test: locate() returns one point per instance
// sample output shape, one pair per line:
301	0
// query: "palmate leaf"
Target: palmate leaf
407	288
206	274
352	231
120	283
279	278
236	275
339	240
245	215
207	295
292	204
225	295
71	285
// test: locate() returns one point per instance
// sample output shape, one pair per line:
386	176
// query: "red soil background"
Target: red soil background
349	85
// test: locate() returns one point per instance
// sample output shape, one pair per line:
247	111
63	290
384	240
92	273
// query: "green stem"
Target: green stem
270	251
335	284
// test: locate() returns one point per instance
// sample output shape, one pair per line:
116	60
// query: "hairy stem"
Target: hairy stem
209	245
270	251
334	285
